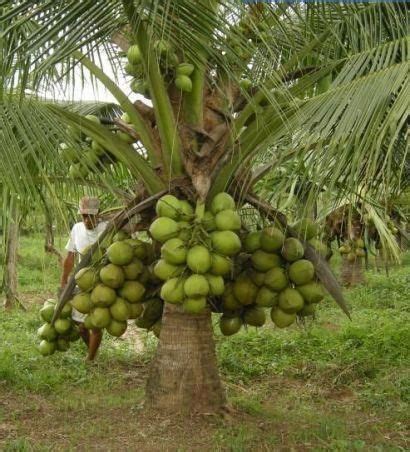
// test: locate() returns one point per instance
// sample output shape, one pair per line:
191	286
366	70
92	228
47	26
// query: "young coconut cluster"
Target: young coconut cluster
112	291
172	70
275	276
353	249
197	247
56	337
86	155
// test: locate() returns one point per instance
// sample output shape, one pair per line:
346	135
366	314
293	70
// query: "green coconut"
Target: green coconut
139	247
245	84
120	310
359	243
266	297
306	229
62	345
165	271
292	249
208	221
163	229
194	305
138	86
120	253
100	317
62	326
282	319
132	291
82	302
46	348
66	311
185	230
307	310
319	246
301	271
220	265
46	312
93	118
229	325
153	309
112	276
229	301
144	323
185	69
97	148
196	286
311	292
174	251
245	290
216	284
88	323
116	328
252	241
73	335
199	259
276	279
169	206
344	249
228	220
135	310
186	210
263	261
121	235
226	243
222	201
173	290
351	257
103	295
257	278
184	83
134	55
133	270
254	316
272	239
360	252
47	332
290	301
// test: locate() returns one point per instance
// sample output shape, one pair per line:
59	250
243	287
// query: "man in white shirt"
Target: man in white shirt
84	234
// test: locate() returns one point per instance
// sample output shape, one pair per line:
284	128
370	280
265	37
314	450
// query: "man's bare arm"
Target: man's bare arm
68	266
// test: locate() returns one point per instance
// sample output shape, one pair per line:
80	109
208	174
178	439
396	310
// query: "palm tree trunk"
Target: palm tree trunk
9	284
184	375
352	272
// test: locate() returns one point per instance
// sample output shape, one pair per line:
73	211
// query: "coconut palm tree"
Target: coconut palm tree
230	91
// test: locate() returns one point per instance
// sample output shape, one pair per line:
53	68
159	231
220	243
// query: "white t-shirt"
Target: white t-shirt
81	238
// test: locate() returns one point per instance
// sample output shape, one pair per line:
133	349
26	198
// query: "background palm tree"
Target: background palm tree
327	89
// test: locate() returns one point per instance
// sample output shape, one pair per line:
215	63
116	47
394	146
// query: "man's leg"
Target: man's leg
94	343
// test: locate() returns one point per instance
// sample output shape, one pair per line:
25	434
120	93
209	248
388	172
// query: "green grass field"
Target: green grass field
331	384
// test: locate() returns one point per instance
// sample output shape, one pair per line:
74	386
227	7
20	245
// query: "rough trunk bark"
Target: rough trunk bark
352	272
184	376
9	284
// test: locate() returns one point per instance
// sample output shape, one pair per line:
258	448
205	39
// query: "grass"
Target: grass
330	384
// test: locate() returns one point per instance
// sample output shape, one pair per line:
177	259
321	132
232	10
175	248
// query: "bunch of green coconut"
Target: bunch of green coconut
274	275
172	70
84	154
113	290
353	249
56	337
197	249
